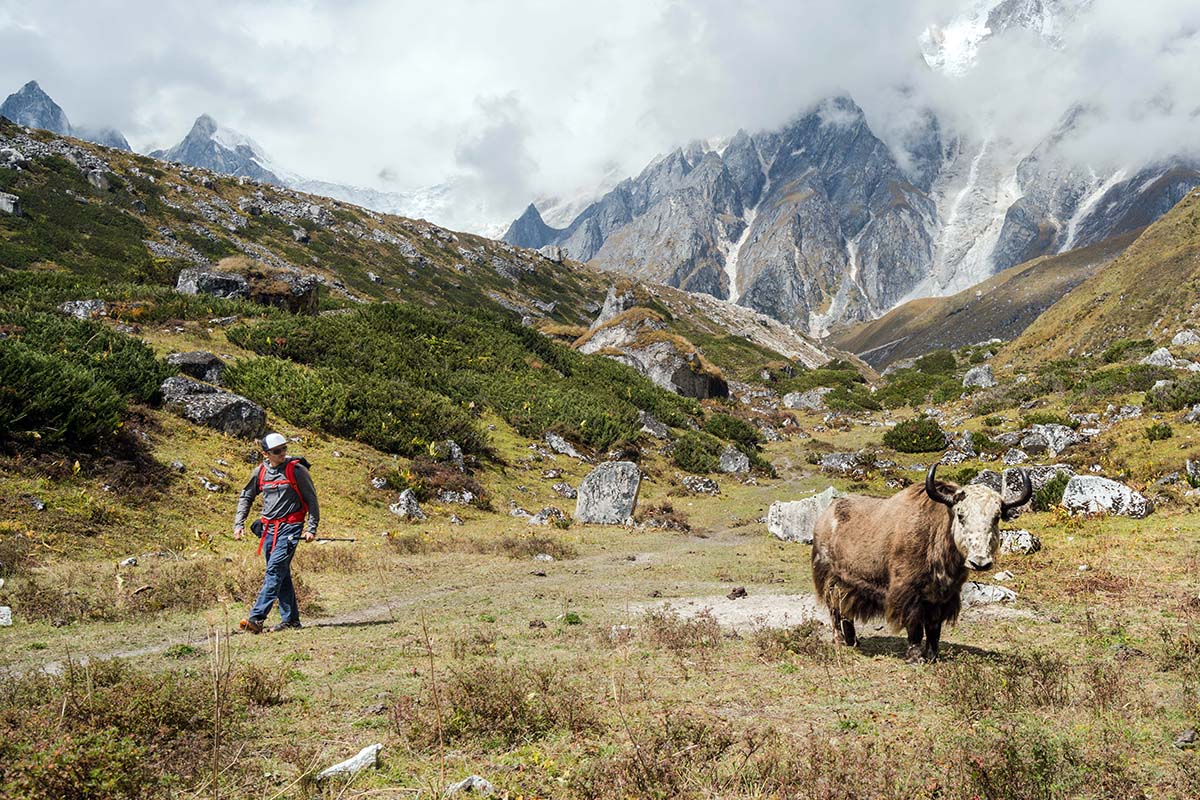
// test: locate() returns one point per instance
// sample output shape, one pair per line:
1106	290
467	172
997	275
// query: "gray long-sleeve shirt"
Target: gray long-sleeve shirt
281	499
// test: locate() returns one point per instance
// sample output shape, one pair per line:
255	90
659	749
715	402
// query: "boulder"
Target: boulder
614	305
85	309
300	236
733	460
843	463
1192	470
447	451
982	594
10	204
609	493
812	400
367	757
211	407
793	521
991	479
1185	338
1057	437
1092	494
698	484
652	426
98	180
471	785
546	515
407	507
296	294
1014	456
218	284
463	498
563	489
1020	542
980	376
561	446
1159	358
198	364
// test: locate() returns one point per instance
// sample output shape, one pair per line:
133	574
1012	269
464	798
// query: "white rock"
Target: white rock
367	757
794	521
1159	358
406	506
1003	577
981	376
471	785
981	594
812	400
733	460
1092	494
560	445
5	616
1184	338
1020	542
608	494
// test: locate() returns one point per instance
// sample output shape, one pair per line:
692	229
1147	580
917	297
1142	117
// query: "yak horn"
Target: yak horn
1026	493
935	490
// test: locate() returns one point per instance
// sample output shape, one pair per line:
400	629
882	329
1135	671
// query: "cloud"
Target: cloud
533	98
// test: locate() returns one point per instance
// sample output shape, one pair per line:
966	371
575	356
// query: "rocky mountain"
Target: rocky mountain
821	223
222	150
33	108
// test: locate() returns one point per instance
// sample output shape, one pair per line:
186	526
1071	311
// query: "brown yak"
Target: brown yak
906	557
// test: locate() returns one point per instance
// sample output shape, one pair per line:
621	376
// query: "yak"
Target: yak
905	557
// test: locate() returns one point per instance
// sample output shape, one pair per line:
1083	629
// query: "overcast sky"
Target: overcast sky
530	97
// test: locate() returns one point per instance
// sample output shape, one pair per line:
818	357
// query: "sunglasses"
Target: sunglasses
278	451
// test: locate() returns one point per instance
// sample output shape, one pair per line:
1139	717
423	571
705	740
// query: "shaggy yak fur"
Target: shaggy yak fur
896	558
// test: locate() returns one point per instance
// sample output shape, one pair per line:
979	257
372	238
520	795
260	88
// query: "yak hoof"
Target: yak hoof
915	654
847	633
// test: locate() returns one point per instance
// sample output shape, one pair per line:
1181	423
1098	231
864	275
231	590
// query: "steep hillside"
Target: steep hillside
1148	292
1000	307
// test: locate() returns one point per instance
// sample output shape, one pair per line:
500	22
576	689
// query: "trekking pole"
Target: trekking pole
333	539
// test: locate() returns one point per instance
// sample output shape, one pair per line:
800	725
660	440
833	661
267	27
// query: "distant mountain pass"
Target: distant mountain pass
1001	307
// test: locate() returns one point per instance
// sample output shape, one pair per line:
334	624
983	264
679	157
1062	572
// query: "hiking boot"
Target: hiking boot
250	625
283	626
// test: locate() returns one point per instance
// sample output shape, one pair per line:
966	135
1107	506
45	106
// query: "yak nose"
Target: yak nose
976	565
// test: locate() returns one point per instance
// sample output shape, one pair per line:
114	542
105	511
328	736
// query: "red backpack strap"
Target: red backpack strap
262	471
289	470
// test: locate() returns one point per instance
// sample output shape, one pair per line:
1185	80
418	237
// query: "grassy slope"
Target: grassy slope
1000	307
1150	291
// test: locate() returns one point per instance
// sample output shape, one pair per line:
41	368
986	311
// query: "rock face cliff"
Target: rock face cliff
821	223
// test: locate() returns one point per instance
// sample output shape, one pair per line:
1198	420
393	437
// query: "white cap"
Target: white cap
272	440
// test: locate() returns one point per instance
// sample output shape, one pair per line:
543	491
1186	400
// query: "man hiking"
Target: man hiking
288	496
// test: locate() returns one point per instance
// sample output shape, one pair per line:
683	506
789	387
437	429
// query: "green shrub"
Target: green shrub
913	388
1049	418
963	476
919	435
698	452
984	443
53	397
1126	348
734	430
1050	495
1159	431
1180	394
939	362
995	421
1119	380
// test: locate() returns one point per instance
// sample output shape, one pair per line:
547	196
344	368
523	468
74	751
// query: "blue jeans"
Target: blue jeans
277	584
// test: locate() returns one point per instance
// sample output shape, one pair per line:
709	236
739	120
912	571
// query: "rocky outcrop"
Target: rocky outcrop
218	284
10	204
793	521
608	495
733	460
198	364
406	507
211	407
980	376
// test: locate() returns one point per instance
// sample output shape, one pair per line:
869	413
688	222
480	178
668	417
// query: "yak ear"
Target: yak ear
960	495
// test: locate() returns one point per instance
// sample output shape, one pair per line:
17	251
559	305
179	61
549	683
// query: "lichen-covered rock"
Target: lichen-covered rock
10	204
698	484
561	446
1057	438
548	515
652	426
407	507
1020	542
218	284
980	376
1185	338
85	309
843	463
812	400
1160	358
609	493
564	489
448	452
733	461
1092	494
211	407
199	364
793	521
982	594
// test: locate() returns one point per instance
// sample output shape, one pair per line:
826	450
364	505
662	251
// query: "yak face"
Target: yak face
976	527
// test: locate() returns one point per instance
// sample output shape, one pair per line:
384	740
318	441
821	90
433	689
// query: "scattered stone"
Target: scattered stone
733	461
199	364
36	502
379	483
178	466
843	463
5	617
537	624
543	557
1192	470
209	485
463	498
456	520
1057	438
129	562
519	513
980	594
10	204
609	493
980	376
1186	740
1019	542
85	309
407	507
1014	456
1185	338
560	445
1092	494
738	593
211	407
471	785
618	634
652	426
1003	577
98	180
793	521
547	514
367	757
563	489
697	484
300	235
1084	568
812	400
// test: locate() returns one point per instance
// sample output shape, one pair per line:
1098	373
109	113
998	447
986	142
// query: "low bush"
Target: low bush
913	388
1050	495
698	452
939	362
1049	418
1126	348
1119	380
1159	431
735	430
1183	393
919	435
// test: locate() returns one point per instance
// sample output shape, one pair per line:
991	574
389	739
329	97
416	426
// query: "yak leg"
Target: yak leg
933	635
915	653
843	629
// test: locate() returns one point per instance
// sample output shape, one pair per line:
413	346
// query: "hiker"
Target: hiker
288	496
